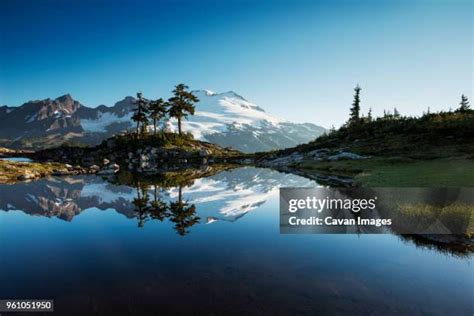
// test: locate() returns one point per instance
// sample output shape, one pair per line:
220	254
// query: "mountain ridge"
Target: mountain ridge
226	119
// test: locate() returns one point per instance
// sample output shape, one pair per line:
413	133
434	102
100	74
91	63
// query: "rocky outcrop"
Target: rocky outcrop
125	152
323	154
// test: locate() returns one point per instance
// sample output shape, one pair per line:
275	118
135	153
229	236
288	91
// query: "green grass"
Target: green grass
10	171
399	172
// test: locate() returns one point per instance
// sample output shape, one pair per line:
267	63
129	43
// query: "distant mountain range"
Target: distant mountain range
226	119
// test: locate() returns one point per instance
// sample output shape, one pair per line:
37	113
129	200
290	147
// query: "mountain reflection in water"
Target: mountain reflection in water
226	196
116	247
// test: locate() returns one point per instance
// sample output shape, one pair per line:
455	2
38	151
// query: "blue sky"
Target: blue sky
297	59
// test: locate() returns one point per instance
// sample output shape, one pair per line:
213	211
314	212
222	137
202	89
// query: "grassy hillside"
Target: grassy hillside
444	134
432	150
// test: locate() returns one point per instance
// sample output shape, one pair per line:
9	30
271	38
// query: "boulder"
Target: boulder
345	156
204	153
94	168
27	176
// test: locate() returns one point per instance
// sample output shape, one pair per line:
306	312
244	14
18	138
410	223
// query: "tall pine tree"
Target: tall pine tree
182	104
465	106
354	117
157	112
140	114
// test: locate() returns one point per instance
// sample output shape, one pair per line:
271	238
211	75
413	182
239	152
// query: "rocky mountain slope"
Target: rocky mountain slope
226	119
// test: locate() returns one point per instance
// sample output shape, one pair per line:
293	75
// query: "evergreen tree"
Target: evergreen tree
396	114
182	104
140	114
465	106
369	115
157	111
354	117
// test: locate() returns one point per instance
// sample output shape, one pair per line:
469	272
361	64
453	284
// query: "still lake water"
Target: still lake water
95	248
17	159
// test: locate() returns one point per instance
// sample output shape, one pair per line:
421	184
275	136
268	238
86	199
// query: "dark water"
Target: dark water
100	248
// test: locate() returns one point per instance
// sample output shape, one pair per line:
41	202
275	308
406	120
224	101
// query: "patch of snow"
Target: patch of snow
32	198
103	120
104	194
32	118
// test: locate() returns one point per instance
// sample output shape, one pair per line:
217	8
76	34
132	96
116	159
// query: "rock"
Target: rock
318	153
114	166
105	161
94	168
285	160
204	153
27	176
68	166
345	156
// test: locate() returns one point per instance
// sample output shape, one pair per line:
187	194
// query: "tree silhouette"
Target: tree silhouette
141	204
157	110
183	214
354	117
396	114
369	115
465	106
158	208
140	114
181	104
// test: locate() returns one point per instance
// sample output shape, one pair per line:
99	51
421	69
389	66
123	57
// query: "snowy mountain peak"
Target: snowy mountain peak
226	119
206	91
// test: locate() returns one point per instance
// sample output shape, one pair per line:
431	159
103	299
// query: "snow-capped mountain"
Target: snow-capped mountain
226	119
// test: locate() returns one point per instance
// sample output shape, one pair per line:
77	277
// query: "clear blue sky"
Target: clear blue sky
297	59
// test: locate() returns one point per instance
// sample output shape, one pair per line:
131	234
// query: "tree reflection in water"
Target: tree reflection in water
183	214
180	212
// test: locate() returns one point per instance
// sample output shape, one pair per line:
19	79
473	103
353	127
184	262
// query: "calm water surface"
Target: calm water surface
212	246
17	159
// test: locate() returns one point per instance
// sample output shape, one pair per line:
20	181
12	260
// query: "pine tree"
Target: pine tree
157	111
369	115
396	114
354	117
140	114
182	104
465	106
